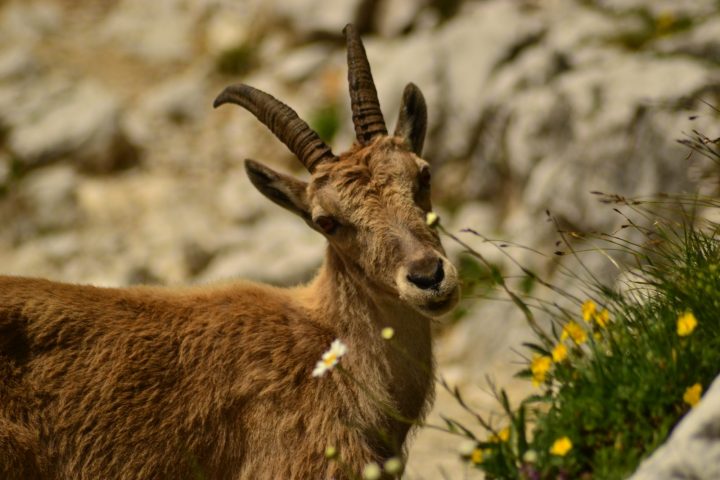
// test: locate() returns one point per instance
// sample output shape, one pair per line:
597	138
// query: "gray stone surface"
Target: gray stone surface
55	118
158	31
693	450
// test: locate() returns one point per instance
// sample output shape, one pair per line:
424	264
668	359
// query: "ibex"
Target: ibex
216	381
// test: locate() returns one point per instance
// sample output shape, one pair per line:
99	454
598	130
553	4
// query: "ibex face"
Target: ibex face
370	202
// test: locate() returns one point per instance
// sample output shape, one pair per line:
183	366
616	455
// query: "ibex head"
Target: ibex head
370	202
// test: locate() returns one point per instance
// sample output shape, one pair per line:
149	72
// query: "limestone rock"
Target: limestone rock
280	250
181	99
5	171
79	121
160	31
702	42
693	449
29	22
317	16
16	63
47	197
397	16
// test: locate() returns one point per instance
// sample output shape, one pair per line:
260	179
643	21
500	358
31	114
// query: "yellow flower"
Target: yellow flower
692	395
686	323
588	310
559	353
539	368
502	436
573	330
330	358
602	318
561	447
477	456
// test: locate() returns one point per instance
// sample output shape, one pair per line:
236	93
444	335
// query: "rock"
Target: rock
197	257
302	62
397	16
5	171
280	250
693	449
310	17
698	8
29	22
17	63
615	149
181	99
478	216
702	42
466	69
161	31
239	201
48	199
226	29
78	121
237	24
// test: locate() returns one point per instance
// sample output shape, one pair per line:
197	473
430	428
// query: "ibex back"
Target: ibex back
216	381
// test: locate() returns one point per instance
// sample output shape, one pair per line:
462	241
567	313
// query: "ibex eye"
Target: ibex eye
327	224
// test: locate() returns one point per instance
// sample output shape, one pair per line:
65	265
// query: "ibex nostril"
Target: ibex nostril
425	281
439	272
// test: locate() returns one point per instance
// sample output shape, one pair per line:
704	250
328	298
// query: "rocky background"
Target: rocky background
115	169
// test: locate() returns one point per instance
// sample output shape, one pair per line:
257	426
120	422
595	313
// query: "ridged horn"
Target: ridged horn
282	121
367	116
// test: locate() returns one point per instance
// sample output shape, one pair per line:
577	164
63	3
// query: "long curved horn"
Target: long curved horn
367	116
282	121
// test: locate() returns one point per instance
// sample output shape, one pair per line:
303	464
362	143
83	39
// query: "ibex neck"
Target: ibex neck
398	370
355	306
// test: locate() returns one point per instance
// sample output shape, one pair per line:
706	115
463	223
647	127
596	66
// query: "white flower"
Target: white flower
467	447
330	358
387	333
530	456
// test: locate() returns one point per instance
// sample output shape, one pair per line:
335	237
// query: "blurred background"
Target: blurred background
115	169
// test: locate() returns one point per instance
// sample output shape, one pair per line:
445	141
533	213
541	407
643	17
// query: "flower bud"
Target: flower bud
387	333
393	466
371	471
331	452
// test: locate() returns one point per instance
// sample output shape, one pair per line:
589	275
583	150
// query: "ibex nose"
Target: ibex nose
426	272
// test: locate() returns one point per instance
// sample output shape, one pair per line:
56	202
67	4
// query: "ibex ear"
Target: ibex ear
284	190
412	122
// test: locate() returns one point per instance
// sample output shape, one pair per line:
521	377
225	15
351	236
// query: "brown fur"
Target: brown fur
215	382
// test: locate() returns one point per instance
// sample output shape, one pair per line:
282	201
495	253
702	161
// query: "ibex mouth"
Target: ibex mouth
438	307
